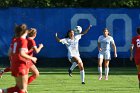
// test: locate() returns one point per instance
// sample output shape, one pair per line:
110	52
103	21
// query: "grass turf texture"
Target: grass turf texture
56	80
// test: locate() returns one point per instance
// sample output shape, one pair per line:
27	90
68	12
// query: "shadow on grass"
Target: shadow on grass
113	71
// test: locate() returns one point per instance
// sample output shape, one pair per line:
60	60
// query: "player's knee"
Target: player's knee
106	66
81	66
99	65
80	63
37	74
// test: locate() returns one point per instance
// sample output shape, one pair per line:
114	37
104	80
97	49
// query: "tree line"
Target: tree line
71	3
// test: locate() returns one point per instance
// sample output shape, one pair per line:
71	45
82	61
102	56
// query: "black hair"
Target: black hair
67	35
107	30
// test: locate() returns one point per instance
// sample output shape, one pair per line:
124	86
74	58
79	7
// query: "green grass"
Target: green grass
56	80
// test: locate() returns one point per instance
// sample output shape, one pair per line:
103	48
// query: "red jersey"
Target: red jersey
16	46
136	43
11	46
12	42
19	64
31	44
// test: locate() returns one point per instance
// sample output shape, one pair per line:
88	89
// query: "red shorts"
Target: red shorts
19	71
29	63
19	65
137	60
19	68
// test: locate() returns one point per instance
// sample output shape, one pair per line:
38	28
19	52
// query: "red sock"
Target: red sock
12	89
19	90
3	91
7	69
31	78
139	76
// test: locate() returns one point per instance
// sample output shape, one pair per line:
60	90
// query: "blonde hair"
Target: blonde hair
32	32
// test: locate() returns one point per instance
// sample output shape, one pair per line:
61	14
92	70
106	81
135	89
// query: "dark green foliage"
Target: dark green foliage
71	3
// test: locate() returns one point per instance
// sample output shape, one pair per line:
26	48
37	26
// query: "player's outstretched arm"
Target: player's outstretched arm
57	39
38	49
84	32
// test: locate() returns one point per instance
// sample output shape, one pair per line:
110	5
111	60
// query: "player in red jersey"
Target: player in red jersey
19	61
33	48
11	45
8	68
135	46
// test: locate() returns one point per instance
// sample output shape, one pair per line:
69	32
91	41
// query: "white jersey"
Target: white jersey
105	42
72	45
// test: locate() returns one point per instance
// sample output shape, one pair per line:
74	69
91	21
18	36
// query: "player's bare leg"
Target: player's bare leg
100	61
81	67
35	74
82	72
74	64
138	68
1	73
106	69
21	82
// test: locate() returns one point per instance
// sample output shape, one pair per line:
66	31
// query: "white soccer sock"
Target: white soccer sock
82	73
106	71
74	64
1	91
100	70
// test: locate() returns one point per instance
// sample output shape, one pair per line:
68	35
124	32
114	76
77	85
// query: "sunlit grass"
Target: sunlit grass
56	80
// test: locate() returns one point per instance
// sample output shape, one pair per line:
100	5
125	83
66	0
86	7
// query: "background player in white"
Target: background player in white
77	30
72	42
104	42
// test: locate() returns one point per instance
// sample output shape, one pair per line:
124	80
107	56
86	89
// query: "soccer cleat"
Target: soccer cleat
83	82
70	73
1	73
106	77
100	78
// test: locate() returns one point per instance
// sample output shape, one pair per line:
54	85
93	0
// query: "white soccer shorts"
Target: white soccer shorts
104	55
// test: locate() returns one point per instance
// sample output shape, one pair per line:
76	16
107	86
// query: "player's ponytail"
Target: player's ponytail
20	30
32	32
67	35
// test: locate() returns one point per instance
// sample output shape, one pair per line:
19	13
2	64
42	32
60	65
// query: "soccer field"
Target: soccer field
56	80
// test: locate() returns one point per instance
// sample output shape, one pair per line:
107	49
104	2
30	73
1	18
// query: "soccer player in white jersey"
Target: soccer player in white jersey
72	42
77	30
104	42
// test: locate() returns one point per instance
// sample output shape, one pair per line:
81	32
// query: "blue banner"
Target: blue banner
122	24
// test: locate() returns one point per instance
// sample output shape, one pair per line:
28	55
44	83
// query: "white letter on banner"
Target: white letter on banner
92	21
128	29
